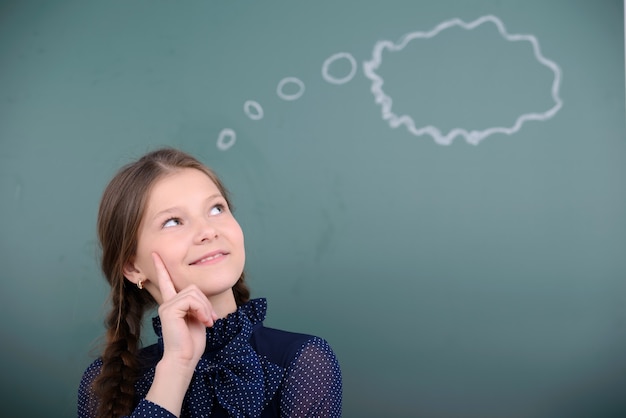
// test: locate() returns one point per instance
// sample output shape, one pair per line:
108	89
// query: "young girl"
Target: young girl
168	237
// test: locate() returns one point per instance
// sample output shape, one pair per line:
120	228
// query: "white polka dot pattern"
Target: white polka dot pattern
313	385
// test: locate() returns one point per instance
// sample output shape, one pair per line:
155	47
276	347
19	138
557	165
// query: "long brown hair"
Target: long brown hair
121	209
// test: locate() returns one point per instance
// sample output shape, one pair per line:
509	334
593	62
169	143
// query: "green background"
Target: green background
452	281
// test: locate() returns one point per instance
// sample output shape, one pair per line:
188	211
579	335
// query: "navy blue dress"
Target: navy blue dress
247	370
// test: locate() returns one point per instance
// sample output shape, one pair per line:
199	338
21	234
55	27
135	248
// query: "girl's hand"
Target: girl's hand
184	318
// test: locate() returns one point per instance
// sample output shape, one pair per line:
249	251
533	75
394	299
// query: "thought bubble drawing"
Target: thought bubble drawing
254	110
471	136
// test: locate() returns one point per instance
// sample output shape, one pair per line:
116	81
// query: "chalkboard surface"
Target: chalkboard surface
435	187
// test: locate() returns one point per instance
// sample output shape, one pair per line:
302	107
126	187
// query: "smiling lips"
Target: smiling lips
210	258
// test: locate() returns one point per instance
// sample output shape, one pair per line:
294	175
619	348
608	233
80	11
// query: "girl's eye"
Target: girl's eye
171	222
217	209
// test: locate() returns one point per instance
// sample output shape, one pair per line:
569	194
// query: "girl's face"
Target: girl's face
188	224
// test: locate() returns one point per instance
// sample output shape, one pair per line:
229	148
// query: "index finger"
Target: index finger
168	291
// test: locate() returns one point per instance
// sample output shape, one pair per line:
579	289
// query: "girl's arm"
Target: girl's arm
313	385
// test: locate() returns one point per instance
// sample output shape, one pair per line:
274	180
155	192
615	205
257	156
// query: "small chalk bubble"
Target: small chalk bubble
293	96
342	80
226	139
253	110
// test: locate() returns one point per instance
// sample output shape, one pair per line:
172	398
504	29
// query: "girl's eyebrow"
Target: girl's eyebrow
214	196
166	211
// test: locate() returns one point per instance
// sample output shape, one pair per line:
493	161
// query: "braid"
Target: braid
115	384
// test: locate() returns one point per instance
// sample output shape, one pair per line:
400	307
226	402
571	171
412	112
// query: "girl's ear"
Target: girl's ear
132	273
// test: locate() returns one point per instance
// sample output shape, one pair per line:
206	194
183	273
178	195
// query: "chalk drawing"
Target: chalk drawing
226	139
333	58
290	80
473	137
253	110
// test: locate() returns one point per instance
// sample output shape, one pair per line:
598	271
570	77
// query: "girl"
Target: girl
168	237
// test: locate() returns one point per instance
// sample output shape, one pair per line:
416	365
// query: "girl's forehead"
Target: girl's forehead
182	185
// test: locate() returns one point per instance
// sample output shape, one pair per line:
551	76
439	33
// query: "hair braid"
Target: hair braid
115	386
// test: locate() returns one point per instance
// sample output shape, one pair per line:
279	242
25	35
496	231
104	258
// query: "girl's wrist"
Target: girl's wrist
171	380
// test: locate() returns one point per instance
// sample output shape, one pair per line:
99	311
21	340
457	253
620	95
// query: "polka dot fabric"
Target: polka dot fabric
247	370
313	384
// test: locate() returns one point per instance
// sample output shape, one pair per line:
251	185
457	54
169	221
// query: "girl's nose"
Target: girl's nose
206	231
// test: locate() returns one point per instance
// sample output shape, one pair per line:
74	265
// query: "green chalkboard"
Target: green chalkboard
435	187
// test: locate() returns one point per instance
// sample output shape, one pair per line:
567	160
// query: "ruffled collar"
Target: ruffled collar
231	372
225	329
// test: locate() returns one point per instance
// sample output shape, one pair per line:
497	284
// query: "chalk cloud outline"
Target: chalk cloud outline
473	137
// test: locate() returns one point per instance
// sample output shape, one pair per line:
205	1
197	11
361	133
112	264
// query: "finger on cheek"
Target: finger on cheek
166	287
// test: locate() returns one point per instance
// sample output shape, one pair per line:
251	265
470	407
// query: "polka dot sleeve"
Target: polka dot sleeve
313	386
88	402
147	409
